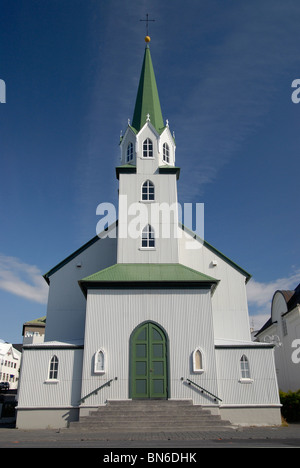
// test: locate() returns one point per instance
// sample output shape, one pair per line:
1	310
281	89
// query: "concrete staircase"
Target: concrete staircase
149	416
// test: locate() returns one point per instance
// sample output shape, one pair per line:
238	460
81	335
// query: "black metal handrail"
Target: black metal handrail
106	384
215	397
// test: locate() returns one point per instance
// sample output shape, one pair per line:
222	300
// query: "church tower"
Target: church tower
148	211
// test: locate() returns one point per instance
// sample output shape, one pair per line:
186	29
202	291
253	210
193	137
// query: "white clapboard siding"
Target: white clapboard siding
37	391
112	316
260	389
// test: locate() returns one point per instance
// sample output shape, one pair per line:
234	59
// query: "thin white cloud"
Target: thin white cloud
22	280
237	87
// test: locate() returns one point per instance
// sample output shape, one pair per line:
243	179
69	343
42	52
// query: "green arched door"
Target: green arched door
149	362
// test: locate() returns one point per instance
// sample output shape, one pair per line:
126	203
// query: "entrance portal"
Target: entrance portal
148	362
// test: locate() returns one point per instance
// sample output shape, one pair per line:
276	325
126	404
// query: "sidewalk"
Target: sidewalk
287	436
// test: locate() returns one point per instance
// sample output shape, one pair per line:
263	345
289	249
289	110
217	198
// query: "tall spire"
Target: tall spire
147	105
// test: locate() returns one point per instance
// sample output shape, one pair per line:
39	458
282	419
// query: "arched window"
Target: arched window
148	239
245	369
129	156
53	369
148	190
166	153
147	148
197	360
99	364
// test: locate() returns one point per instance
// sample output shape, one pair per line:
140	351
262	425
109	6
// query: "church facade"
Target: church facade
147	309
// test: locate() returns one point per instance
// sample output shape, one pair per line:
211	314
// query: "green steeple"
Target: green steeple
147	100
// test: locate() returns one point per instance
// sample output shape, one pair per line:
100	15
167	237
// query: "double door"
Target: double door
149	362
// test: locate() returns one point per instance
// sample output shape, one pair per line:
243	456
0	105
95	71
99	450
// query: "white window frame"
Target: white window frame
166	153
148	238
101	370
196	368
148	191
245	370
129	153
147	148
53	369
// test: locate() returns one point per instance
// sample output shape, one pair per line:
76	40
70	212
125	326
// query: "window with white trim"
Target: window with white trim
245	368
148	148
166	153
53	369
99	364
129	155
148	239
197	360
148	191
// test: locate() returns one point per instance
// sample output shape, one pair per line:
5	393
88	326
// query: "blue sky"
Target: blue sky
224	71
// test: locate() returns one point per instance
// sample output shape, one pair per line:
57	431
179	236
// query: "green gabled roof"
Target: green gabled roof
147	100
41	320
151	273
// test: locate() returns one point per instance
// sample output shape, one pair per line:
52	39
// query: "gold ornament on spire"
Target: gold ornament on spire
147	39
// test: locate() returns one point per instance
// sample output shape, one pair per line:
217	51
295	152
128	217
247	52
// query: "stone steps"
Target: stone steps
148	416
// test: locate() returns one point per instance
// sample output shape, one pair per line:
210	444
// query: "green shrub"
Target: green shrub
290	409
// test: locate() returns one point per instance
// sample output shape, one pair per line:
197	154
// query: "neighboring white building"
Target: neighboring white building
137	313
283	329
10	362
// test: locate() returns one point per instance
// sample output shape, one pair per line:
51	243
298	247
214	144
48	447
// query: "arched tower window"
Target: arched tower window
129	155
166	153
245	368
148	190
99	364
53	369
148	239
148	148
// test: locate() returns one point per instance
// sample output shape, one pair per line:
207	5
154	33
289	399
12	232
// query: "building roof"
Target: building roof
131	169
147	100
54	345
217	252
292	299
147	274
39	322
6	348
98	238
229	344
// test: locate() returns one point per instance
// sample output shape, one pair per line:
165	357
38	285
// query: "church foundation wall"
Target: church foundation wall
252	416
48	418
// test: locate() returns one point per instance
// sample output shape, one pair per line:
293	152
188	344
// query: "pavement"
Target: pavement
232	437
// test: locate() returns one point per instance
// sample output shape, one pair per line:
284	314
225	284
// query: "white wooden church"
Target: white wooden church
147	316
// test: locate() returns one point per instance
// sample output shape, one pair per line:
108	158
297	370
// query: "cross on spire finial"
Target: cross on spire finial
147	23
